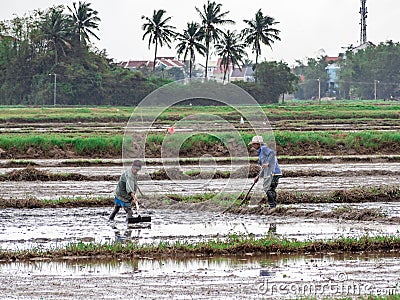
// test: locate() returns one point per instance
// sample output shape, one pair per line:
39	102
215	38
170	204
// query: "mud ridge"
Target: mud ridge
233	245
32	174
343	213
215	150
214	202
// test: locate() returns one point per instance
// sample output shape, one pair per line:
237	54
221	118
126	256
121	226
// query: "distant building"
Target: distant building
245	74
161	62
136	64
363	47
332	70
169	63
216	72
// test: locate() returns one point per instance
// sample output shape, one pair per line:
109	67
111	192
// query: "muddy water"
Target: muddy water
391	209
59	189
46	228
116	170
268	277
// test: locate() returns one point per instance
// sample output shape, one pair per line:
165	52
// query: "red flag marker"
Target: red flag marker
171	130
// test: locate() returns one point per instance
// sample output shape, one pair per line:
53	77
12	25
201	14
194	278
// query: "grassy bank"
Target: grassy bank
288	143
291	110
78	144
232	245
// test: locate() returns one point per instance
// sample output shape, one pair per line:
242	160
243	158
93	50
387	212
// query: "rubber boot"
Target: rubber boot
129	213
114	212
271	198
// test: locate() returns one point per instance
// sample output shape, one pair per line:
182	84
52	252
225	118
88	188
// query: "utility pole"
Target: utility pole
375	82
363	23
319	91
55	88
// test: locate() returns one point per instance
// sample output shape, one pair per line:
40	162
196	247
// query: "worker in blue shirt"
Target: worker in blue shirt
270	166
125	193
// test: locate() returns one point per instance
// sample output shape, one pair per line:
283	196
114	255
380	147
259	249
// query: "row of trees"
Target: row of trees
365	74
274	78
200	37
57	42
372	73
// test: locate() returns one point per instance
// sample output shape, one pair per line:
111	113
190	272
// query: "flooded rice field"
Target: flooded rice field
244	277
267	277
119	127
115	170
56	227
342	176
62	189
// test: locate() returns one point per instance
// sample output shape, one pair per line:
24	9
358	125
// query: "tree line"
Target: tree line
51	50
56	42
372	73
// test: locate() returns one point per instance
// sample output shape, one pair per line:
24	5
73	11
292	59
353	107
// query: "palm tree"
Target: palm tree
85	19
56	30
158	31
259	31
211	17
231	50
190	43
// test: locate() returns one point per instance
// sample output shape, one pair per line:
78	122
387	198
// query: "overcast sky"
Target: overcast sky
308	27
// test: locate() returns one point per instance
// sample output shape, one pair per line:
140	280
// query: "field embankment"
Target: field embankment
288	143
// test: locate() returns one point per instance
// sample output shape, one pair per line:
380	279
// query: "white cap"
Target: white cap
258	139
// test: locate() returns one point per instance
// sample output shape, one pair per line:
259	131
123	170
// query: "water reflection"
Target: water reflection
272	228
275	266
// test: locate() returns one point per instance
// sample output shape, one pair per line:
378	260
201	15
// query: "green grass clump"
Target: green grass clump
298	110
290	141
232	245
79	144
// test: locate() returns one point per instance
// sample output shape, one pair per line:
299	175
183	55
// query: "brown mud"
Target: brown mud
33	174
355	195
344	213
174	202
289	160
215	150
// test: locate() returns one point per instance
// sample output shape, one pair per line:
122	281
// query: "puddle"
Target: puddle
58	189
267	277
390	209
49	228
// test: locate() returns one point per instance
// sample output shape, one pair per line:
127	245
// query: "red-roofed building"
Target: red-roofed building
216	72
332	59
161	62
168	63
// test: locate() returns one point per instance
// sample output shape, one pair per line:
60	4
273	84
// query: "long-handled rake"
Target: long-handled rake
248	192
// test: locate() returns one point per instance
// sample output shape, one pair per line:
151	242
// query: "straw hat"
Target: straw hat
257	139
